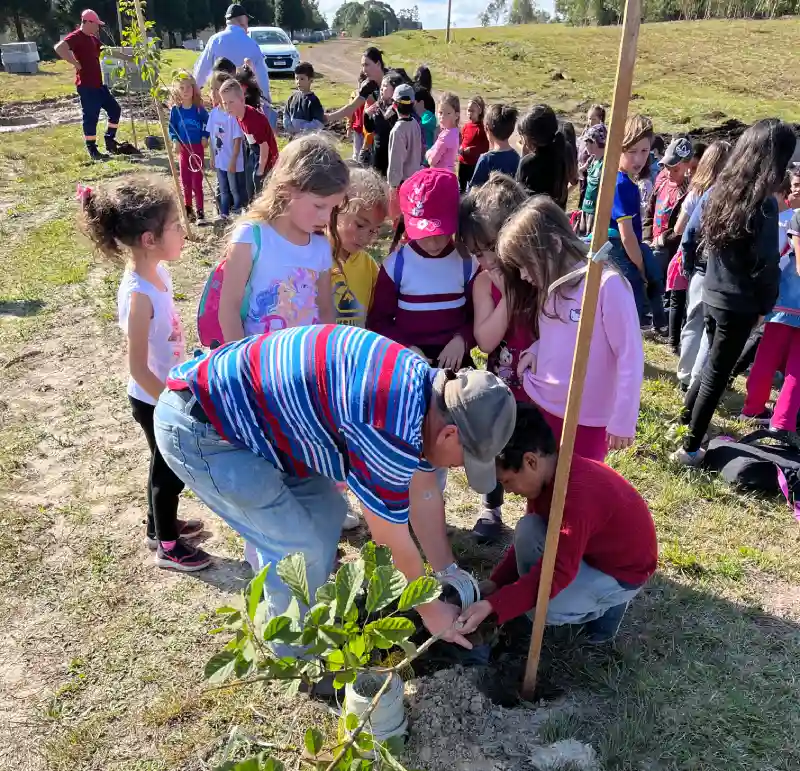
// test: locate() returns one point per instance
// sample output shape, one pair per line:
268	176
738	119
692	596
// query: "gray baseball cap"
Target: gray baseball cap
404	93
679	150
483	409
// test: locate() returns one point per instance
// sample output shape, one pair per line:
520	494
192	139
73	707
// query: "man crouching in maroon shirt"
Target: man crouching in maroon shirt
607	547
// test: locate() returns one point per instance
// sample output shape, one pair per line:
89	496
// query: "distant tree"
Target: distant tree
348	15
290	15
493	12
16	13
526	12
314	18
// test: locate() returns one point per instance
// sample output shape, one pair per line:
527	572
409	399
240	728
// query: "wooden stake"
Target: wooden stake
449	9
162	121
605	199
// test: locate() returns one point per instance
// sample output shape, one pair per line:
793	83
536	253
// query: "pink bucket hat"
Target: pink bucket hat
429	202
91	16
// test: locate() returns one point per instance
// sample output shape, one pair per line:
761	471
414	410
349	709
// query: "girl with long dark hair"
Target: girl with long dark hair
739	229
544	168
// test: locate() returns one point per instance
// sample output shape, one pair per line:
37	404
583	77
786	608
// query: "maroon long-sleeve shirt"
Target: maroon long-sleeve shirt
432	303
474	143
606	523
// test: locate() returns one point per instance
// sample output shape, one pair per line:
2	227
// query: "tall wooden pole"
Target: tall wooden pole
449	9
605	199
162	121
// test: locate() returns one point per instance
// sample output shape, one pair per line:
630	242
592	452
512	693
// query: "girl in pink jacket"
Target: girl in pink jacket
536	248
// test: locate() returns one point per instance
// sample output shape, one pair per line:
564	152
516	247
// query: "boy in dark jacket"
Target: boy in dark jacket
303	110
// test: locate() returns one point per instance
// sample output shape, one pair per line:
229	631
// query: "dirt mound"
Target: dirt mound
455	727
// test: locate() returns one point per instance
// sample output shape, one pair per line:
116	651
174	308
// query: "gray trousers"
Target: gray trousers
590	594
693	333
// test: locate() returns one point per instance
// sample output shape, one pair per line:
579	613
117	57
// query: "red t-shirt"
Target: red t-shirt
474	143
256	129
86	49
606	523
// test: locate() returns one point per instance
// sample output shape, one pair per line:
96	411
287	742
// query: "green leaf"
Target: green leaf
314	741
333	635
326	593
272	765
220	667
365	741
385	586
343	678
255	592
280	628
375	557
394	744
349	579
408	648
391	761
292	571
396	629
351	722
351	661
226	609
418	592
242	666
335	660
320	614
357	646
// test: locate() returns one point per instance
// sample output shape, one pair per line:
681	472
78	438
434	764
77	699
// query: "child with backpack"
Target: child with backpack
187	130
474	142
740	244
138	214
423	297
355	272
537	248
482	214
632	257
277	271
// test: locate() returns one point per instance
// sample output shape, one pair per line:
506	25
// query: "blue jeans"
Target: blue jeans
253	181
591	592
278	514
649	297
231	189
92	101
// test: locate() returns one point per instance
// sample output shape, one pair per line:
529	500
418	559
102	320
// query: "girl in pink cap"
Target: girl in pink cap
423	297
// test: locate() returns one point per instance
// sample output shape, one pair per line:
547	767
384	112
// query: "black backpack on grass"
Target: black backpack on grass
753	465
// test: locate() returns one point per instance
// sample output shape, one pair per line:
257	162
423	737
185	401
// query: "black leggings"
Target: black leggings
727	332
163	487
465	173
677	317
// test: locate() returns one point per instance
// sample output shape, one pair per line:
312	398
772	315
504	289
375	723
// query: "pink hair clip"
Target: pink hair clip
83	193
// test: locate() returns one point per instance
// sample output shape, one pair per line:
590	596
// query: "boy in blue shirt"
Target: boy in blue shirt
633	258
303	110
500	121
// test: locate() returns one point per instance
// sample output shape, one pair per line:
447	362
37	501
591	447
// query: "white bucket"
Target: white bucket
389	717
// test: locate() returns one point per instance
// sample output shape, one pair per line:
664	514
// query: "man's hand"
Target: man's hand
453	353
474	616
439	619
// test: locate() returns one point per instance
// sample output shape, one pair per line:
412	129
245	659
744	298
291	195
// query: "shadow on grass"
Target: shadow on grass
226	574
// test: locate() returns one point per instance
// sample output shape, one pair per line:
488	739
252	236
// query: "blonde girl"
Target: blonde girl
355	272
536	248
187	130
134	222
444	153
278	253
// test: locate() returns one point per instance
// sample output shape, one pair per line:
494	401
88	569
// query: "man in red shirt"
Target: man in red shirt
607	547
262	147
81	48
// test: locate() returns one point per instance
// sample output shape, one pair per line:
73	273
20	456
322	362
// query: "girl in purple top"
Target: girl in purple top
482	214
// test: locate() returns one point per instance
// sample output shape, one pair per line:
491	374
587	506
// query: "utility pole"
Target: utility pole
449	8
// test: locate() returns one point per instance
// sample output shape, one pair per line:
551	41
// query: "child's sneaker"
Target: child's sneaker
604	629
182	557
686	458
489	527
201	218
762	419
186	528
190	214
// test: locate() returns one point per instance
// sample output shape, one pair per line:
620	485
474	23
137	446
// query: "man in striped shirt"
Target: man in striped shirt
263	428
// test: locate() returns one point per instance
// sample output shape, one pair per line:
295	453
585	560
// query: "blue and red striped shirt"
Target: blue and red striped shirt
340	401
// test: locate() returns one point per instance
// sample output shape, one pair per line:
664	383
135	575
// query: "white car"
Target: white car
280	54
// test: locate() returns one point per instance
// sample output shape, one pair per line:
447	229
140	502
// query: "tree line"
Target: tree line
43	22
603	12
373	18
514	12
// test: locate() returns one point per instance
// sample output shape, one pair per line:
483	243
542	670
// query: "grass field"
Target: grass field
101	655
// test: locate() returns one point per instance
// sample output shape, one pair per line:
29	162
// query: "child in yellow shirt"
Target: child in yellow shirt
354	271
